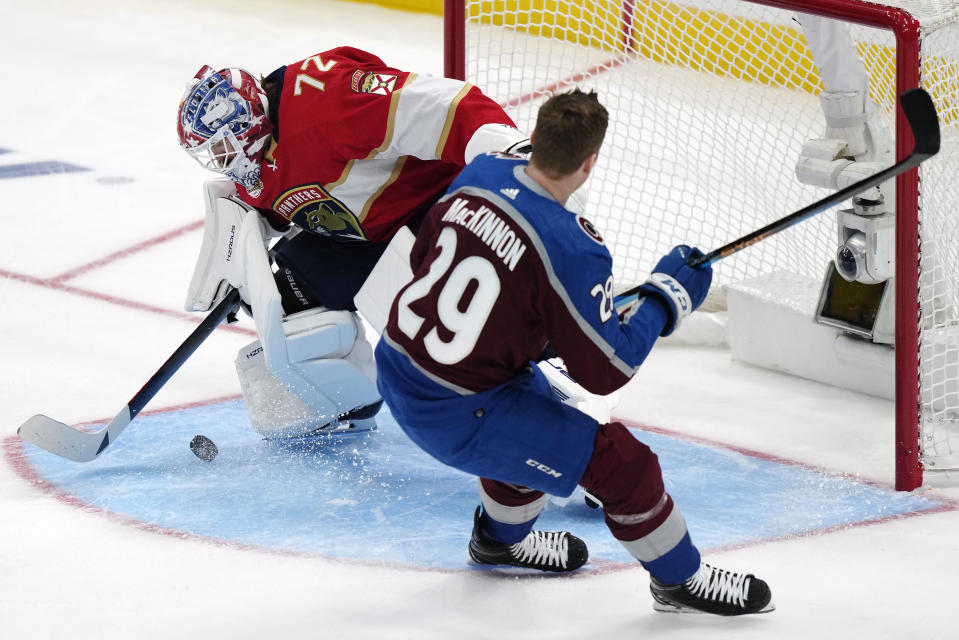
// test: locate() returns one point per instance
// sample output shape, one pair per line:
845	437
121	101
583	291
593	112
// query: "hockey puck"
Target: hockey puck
203	448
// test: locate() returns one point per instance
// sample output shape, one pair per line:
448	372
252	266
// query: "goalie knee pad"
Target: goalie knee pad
331	363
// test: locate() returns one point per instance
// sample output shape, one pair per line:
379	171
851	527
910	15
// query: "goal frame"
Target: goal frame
907	32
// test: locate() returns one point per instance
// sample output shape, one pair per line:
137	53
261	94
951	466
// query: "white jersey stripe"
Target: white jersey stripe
660	541
510	515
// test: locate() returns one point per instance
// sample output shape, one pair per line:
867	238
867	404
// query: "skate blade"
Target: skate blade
668	607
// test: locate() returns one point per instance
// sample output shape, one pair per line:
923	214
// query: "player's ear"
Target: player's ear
589	163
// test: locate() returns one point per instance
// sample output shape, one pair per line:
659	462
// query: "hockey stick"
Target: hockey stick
83	446
919	110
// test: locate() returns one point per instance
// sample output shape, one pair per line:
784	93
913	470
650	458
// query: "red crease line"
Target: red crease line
948	503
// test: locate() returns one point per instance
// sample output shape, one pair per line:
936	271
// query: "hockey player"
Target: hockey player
334	153
500	268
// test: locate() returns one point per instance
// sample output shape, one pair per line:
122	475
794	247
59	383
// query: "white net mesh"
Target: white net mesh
939	256
710	103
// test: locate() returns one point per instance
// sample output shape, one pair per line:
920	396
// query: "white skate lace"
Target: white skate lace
719	585
548	548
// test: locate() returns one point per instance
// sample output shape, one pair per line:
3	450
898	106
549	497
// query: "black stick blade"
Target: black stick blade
923	120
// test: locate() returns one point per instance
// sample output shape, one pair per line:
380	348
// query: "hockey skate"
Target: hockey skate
715	591
361	419
544	550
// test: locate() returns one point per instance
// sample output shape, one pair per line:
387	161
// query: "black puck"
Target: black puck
203	448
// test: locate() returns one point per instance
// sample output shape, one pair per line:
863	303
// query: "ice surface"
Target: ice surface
103	551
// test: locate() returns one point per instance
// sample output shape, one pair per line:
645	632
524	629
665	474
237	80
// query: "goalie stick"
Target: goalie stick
83	446
919	110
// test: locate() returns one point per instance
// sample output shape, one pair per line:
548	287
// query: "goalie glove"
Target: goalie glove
496	137
680	287
522	148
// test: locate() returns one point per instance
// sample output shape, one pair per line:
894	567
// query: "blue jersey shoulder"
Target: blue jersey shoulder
569	245
487	170
502	179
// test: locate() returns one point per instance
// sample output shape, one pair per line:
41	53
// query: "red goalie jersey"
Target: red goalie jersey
360	148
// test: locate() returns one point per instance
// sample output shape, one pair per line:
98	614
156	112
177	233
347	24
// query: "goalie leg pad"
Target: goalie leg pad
218	264
332	364
390	274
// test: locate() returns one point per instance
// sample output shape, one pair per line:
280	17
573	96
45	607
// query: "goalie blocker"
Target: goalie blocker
309	371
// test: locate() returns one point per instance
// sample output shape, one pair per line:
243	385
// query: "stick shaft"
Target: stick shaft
809	211
183	352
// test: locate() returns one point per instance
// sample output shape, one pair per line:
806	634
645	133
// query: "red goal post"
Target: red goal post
518	51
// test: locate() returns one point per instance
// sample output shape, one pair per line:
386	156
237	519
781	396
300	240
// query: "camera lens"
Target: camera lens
851	257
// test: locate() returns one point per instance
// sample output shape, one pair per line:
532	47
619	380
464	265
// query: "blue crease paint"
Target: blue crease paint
374	496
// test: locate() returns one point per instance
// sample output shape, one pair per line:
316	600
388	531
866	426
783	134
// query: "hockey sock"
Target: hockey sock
503	532
509	510
677	565
625	475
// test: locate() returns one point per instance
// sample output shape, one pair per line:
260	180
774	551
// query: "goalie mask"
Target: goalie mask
222	123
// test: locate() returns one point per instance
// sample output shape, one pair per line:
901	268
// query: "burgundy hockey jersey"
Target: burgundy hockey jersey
500	268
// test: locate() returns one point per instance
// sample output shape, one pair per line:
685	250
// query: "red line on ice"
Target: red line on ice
124	253
121	302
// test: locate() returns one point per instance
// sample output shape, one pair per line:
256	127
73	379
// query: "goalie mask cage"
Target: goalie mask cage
710	102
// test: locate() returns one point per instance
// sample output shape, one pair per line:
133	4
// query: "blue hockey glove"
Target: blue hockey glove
680	287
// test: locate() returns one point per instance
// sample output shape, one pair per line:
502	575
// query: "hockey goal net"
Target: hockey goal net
710	102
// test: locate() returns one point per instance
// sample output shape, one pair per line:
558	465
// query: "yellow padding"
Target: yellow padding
687	36
698	39
416	6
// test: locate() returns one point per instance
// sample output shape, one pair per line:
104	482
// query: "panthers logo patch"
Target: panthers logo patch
589	229
311	207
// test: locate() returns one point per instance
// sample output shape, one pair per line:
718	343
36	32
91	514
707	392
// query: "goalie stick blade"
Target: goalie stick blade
920	111
83	446
63	440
